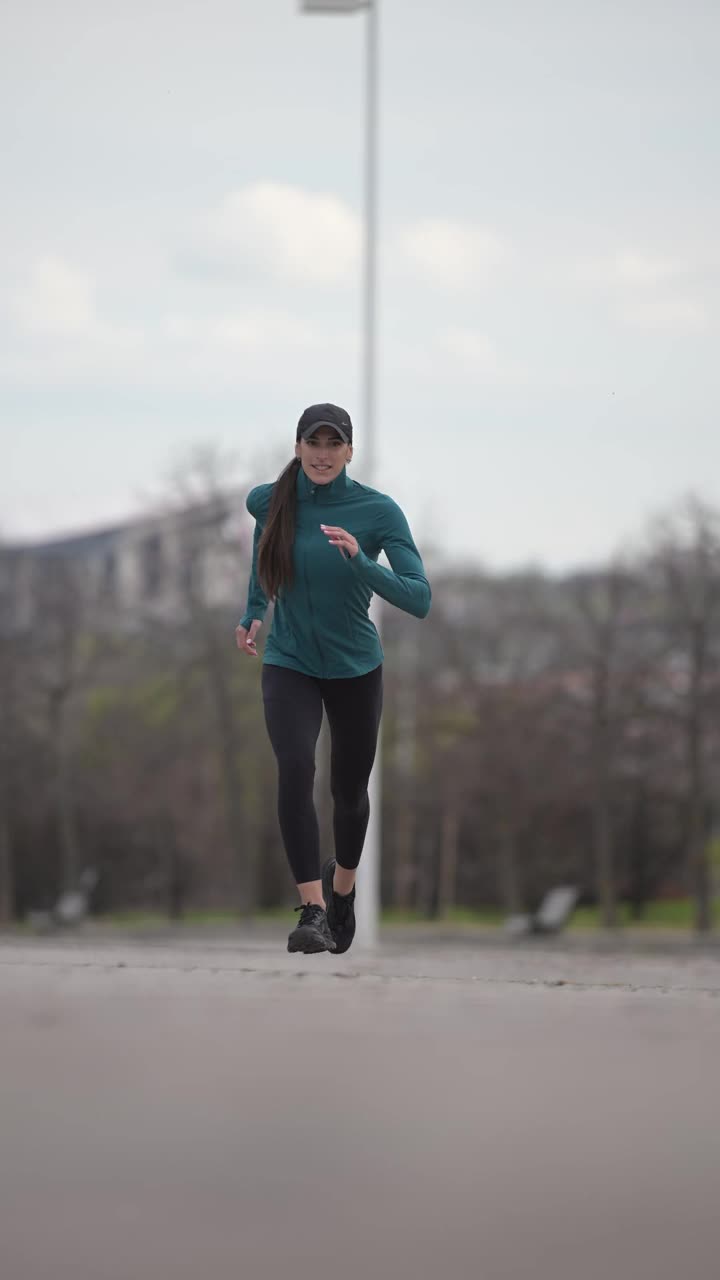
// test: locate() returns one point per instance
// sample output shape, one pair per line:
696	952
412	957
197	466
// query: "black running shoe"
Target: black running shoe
340	910
312	932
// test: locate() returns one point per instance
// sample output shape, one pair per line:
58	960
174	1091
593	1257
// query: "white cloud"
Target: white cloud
272	332
456	255
637	269
679	315
58	335
56	301
289	233
646	292
297	236
630	270
473	353
57	331
262	330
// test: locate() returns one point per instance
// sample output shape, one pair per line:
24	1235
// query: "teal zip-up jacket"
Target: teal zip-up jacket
320	624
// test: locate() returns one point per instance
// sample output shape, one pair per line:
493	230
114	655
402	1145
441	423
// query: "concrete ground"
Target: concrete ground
180	1107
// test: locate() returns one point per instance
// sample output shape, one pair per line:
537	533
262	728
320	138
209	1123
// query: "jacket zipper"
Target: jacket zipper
310	608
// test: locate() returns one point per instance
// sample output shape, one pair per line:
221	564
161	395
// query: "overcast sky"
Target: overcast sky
180	250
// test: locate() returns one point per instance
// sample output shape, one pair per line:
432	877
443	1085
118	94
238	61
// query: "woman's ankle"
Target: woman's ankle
343	880
311	893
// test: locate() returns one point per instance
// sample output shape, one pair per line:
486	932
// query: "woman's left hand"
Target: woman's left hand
340	538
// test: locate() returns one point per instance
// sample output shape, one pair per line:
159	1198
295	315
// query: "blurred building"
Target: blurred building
156	566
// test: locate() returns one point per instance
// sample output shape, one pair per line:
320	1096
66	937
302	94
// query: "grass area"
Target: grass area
143	919
664	914
670	914
150	919
455	916
676	913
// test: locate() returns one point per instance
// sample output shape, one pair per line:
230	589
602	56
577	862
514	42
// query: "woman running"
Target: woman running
318	535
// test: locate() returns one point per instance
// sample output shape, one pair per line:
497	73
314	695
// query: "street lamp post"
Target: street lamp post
368	902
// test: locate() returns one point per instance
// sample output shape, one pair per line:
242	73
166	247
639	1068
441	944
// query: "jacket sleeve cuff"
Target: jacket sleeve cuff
247	618
362	565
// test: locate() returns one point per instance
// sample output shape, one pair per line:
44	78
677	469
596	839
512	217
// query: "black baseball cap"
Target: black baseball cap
325	415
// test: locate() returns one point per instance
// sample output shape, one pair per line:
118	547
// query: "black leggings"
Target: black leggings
293	714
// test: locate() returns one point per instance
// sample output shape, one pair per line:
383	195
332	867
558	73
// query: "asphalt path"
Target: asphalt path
176	1107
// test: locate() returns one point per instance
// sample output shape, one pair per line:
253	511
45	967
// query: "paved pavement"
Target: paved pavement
211	1107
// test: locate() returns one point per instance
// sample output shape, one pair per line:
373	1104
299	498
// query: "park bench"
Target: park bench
552	916
71	907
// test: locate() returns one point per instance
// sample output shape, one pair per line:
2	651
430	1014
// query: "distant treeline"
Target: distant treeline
537	730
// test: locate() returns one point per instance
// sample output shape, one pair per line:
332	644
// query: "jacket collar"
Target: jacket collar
333	492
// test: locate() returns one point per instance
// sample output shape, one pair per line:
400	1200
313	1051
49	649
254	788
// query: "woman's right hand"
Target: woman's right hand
246	639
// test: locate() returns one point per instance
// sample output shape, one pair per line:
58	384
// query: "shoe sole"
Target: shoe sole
327	884
307	943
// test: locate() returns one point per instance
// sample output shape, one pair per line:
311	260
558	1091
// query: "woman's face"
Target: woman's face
323	455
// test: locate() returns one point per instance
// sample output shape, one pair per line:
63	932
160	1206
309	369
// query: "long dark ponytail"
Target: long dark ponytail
275	550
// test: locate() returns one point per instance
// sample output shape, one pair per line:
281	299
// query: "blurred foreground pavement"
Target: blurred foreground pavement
199	1108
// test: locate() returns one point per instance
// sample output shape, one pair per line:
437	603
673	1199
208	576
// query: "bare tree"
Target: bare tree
602	603
8	675
62	650
405	763
503	767
686	560
213	547
454	725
